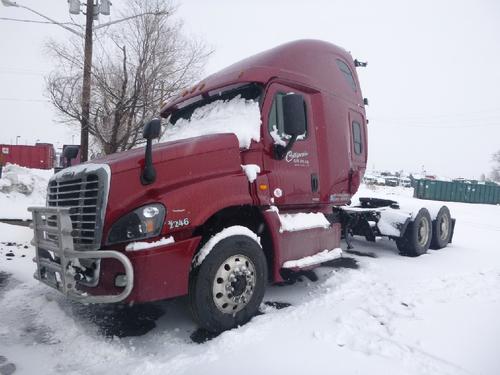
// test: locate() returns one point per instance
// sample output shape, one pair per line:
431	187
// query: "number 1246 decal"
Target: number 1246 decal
178	223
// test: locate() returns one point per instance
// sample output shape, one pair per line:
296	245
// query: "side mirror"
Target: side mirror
294	114
152	129
294	121
71	152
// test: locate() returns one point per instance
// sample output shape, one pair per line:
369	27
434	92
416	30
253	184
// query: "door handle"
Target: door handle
314	183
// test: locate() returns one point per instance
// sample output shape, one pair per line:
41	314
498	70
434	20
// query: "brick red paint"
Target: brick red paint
198	177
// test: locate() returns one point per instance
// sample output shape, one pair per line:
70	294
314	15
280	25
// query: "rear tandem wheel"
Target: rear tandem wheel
442	229
418	235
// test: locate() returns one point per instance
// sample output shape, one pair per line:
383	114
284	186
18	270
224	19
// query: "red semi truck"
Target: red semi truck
218	216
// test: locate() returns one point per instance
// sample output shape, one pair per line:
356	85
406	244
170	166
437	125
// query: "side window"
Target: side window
356	138
275	123
346	71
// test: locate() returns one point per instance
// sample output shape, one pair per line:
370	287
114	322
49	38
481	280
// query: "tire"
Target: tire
441	229
418	235
236	262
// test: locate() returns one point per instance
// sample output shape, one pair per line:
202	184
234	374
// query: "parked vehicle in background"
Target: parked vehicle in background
251	185
392	181
405	182
39	156
369	179
69	156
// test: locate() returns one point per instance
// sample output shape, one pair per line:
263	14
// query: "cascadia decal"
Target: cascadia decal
297	158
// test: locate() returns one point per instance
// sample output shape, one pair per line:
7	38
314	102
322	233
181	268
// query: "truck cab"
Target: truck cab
241	190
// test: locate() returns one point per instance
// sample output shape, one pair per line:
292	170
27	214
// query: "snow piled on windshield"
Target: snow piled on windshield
238	116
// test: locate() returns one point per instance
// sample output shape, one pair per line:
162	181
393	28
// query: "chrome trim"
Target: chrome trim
88	233
54	270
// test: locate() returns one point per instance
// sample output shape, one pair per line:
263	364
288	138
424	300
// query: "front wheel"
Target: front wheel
227	289
417	237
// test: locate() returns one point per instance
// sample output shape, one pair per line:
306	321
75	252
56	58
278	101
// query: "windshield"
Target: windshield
248	91
236	111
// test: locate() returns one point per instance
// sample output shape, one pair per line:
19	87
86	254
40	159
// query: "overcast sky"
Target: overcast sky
433	79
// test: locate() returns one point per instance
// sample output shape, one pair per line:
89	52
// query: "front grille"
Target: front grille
85	194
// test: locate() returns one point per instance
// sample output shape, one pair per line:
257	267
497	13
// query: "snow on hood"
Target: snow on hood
238	116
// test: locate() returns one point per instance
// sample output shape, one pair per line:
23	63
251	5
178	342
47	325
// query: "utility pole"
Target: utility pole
86	85
94	8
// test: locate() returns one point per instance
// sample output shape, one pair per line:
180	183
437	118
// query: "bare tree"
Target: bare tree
137	66
495	171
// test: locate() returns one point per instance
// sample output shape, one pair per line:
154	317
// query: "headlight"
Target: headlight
144	222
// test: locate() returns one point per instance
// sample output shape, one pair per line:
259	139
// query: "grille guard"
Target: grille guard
53	233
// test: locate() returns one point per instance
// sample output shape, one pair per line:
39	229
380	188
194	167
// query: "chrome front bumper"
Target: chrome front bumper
56	258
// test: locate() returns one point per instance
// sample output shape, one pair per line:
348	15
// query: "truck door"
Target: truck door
357	150
295	179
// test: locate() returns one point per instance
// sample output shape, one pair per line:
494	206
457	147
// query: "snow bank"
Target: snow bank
20	188
321	257
251	170
135	246
235	230
238	116
302	221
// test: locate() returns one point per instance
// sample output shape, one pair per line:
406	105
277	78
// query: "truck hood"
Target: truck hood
169	151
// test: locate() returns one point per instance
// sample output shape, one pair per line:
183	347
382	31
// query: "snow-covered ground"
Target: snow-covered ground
22	187
370	312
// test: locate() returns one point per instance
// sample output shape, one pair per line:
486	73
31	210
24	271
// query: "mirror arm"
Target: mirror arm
280	151
148	175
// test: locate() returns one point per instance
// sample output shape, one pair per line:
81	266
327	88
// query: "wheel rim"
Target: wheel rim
444	227
234	284
423	232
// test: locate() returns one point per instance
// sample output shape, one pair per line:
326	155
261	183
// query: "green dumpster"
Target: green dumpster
457	191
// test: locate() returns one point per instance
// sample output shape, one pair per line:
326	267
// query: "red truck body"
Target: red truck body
39	156
201	178
201	183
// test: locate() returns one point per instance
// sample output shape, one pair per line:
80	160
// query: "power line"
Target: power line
21	72
454	126
23	100
34	21
403	125
441	116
